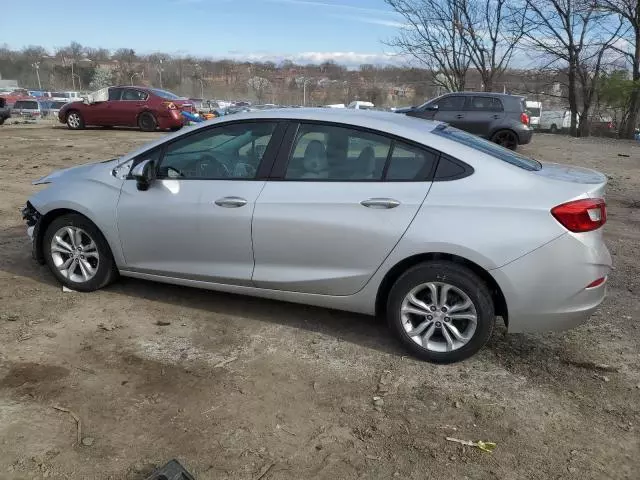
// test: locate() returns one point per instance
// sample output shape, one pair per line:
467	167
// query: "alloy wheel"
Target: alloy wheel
439	317
73	120
75	254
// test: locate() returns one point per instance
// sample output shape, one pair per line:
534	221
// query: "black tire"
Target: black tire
175	129
106	270
506	138
2	119
460	278
147	122
75	120
554	128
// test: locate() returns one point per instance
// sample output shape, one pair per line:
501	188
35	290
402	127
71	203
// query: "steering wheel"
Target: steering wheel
210	166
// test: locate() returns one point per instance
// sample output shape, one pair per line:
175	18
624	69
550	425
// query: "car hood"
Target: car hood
87	170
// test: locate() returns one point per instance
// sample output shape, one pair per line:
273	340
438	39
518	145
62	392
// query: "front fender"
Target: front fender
96	200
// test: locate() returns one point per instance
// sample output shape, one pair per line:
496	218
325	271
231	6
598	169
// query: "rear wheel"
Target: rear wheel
1	120
147	122
506	138
75	120
442	312
78	254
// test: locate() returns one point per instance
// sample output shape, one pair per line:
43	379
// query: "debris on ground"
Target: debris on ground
481	445
604	378
76	418
10	317
590	365
162	323
224	362
88	441
106	327
67	289
171	471
378	402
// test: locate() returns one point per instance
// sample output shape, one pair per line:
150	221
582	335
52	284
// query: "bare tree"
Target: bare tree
629	10
572	34
491	31
433	37
260	87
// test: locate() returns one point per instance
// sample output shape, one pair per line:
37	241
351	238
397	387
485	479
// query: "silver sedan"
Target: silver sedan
371	212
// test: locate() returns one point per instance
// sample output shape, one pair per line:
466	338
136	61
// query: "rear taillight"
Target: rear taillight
524	118
597	283
581	215
170	105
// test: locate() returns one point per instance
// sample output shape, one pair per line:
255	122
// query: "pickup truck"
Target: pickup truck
5	111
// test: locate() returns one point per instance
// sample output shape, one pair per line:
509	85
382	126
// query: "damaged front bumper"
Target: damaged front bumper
33	219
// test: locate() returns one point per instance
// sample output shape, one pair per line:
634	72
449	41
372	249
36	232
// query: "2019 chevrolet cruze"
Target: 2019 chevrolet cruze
370	212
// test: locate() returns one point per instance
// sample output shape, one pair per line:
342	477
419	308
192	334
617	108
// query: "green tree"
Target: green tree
102	78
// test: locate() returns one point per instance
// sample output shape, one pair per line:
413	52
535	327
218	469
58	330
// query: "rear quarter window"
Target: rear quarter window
487	147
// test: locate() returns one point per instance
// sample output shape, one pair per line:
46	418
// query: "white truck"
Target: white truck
534	110
555	121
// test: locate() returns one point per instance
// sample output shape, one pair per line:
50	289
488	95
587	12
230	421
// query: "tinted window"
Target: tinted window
114	94
28	105
533	112
410	163
449	169
325	152
487	147
451	103
164	94
133	94
225	152
485	104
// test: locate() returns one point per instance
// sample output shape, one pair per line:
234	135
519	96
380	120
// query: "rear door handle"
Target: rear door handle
459	116
380	203
496	116
231	202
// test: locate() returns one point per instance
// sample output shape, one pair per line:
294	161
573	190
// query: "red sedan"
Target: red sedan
143	107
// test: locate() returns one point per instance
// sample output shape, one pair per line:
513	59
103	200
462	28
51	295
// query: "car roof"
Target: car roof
483	94
392	123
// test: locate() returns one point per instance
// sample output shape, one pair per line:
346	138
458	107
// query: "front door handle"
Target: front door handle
380	203
231	202
459	116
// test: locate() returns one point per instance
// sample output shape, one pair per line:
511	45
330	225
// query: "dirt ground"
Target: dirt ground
241	388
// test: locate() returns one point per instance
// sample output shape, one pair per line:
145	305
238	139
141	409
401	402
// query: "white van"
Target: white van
555	121
534	109
359	105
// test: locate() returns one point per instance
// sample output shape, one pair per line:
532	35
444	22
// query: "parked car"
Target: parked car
27	109
556	121
602	126
66	96
5	111
370	212
52	108
146	108
495	116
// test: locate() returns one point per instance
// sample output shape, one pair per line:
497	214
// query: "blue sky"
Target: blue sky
304	30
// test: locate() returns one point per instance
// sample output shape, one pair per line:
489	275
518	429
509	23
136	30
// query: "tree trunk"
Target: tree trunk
583	124
573	101
628	129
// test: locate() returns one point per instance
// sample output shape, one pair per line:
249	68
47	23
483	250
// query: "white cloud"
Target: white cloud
349	59
372	21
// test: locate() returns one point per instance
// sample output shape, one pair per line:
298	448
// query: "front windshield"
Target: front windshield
164	94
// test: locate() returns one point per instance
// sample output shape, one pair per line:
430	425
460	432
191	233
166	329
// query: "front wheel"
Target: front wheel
505	138
75	120
78	254
554	128
442	312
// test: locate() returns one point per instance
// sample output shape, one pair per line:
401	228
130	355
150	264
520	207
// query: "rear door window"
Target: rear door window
484	104
134	94
487	147
409	163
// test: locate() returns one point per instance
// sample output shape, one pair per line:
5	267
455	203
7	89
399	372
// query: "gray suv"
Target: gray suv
498	117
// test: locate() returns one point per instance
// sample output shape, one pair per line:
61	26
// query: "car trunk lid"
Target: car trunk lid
584	180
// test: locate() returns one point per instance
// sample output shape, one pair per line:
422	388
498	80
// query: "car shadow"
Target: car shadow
363	330
105	129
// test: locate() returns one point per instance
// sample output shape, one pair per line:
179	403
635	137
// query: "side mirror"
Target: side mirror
144	173
431	108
